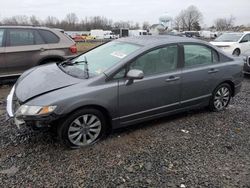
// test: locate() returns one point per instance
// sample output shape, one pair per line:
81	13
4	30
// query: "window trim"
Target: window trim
200	65
127	65
4	38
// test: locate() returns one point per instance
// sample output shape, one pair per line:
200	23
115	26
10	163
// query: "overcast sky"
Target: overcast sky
134	10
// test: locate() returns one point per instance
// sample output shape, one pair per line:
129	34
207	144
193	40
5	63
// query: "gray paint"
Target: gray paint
151	97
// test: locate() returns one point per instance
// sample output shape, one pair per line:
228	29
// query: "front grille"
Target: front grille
15	103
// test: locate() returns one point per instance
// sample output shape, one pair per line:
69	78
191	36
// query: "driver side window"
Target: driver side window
157	61
246	38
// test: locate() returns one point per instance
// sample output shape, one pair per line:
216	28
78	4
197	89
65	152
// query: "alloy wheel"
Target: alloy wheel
221	98
84	130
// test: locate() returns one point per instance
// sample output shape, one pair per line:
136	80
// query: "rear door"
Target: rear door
3	69
199	70
158	92
25	47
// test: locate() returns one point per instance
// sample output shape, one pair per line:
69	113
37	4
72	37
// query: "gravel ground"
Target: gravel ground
193	149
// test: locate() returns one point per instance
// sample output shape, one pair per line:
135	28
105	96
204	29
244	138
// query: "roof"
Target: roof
157	40
24	27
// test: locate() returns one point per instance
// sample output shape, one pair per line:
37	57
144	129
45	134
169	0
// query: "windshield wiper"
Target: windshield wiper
86	67
85	61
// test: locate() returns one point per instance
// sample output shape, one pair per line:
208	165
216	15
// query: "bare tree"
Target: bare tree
16	20
51	21
145	26
71	18
34	21
135	26
122	24
224	24
188	19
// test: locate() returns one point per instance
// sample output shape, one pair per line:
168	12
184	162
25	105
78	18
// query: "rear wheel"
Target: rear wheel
82	128
221	97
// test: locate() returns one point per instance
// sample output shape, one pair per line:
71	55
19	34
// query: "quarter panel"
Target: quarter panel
80	95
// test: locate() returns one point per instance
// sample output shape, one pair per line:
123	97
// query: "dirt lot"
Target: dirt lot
193	149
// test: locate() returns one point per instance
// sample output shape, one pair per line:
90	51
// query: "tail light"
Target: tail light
73	49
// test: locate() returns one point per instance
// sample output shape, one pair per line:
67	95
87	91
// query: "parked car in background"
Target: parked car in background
192	34
23	47
233	43
246	68
123	82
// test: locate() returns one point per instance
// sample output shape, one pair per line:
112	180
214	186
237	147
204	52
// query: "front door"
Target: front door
159	90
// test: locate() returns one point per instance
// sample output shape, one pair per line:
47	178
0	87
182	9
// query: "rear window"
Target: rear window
49	37
1	37
21	37
38	38
197	55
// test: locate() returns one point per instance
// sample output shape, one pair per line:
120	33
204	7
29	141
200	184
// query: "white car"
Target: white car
234	43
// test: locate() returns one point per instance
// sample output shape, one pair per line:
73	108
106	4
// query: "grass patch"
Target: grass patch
85	46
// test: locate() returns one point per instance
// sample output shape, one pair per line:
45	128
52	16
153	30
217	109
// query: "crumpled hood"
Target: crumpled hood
221	44
41	80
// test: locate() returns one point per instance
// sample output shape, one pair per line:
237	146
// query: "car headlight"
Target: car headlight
35	110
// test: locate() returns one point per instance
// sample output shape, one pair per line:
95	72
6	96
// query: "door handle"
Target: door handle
213	71
42	49
172	78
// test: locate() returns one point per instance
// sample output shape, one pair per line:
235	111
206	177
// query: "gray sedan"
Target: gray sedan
124	82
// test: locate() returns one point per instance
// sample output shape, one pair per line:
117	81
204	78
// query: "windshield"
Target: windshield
229	37
105	56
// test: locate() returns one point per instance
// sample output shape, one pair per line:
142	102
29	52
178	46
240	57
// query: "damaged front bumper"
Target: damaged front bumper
20	120
10	112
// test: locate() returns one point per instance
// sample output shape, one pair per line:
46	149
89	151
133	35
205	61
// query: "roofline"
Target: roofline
24	26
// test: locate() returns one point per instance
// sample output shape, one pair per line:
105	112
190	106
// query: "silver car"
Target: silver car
124	82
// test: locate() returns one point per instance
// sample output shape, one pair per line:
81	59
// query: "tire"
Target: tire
82	128
220	98
236	52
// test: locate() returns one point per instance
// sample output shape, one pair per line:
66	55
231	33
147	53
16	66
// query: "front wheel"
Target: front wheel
221	97
82	128
236	52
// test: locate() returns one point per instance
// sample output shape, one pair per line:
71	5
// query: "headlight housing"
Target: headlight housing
34	110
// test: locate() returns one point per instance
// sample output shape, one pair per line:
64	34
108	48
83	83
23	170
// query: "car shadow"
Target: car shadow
247	76
162	120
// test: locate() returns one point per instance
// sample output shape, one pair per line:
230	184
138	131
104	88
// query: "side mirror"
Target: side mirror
135	74
132	75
